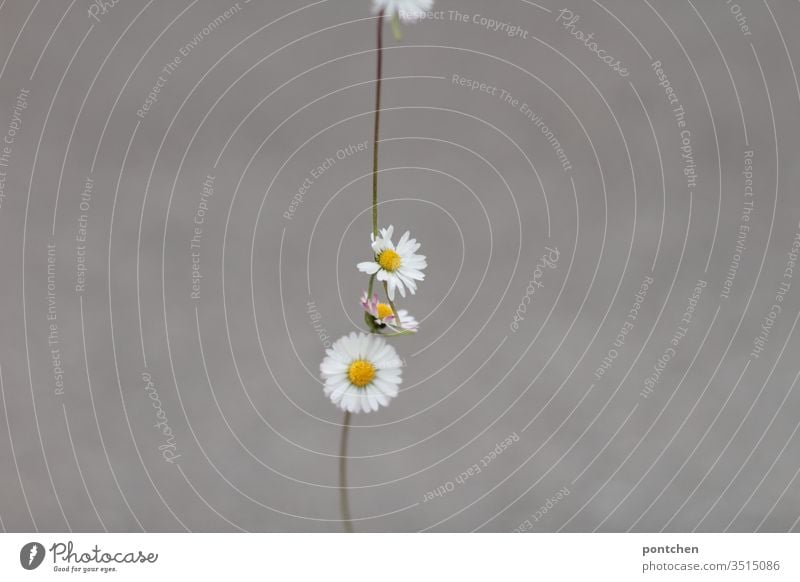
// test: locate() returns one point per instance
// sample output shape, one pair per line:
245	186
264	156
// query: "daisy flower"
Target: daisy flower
361	372
383	315
406	10
399	266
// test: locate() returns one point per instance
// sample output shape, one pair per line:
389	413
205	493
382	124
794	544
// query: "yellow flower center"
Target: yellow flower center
389	260
361	373
384	310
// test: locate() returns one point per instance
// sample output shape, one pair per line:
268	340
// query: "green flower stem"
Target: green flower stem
344	503
370	321
394	309
376	136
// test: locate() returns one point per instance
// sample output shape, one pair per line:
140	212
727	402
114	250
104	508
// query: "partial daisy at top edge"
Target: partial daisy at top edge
406	10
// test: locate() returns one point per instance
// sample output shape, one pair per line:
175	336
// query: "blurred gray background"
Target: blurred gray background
167	291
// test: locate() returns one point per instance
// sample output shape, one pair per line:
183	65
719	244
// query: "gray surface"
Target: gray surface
714	447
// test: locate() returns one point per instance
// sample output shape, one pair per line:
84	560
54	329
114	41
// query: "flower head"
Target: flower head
383	315
399	266
406	10
361	372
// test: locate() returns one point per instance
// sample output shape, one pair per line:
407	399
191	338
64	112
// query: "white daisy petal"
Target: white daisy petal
336	356
374	352
382	355
369	267
370	397
335	381
387	388
382	399
415	262
333	367
390	370
350	401
404	239
407	281
388	359
339	392
346	348
412	273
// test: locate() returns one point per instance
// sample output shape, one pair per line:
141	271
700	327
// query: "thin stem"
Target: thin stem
343	500
368	318
376	136
391	304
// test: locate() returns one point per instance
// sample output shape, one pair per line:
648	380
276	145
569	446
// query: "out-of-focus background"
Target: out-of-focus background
606	194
